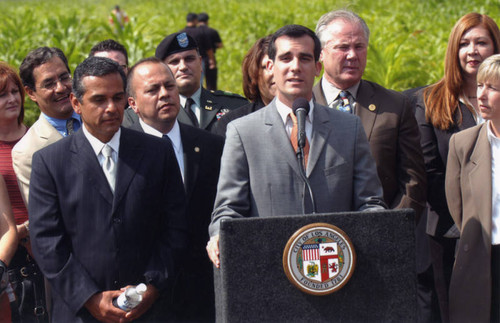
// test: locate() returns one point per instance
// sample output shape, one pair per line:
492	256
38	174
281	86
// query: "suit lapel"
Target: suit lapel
208	108
365	98
318	94
46	131
129	159
191	159
278	136
480	179
321	132
85	160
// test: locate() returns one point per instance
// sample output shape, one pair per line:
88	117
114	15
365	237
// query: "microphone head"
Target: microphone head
300	103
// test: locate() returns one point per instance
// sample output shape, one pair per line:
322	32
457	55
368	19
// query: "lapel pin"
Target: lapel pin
209	108
372	107
196	149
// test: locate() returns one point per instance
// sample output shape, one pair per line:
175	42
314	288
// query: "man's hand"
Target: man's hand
148	299
213	250
101	307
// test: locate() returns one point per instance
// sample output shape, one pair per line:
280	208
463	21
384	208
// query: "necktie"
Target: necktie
69	126
190	112
344	105
109	166
294	140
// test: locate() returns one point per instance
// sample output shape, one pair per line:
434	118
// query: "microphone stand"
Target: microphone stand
300	158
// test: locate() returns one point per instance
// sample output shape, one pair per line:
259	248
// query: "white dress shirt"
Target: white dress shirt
97	145
175	137
495	186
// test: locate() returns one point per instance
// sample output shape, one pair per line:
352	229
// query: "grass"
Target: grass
407	43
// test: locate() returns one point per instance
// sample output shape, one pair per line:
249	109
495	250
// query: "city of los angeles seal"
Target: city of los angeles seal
319	259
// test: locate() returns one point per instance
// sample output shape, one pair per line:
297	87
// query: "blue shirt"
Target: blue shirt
60	124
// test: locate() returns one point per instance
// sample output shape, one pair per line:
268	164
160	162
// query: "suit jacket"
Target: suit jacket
213	105
194	288
85	239
260	174
468	192
434	144
394	141
41	134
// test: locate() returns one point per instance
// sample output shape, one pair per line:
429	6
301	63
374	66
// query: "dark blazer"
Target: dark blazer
434	144
394	139
194	291
220	126
468	192
85	239
213	105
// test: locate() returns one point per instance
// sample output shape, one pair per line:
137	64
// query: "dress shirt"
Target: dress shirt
196	107
97	145
284	112
60	124
175	137
332	93
495	183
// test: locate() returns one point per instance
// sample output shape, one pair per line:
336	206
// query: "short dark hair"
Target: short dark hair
191	17
251	68
294	31
131	73
38	57
95	66
203	17
109	45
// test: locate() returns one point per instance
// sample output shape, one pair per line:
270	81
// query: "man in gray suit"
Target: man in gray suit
260	174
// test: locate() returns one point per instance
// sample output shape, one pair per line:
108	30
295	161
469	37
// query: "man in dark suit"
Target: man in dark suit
106	206
155	98
201	108
386	115
260	175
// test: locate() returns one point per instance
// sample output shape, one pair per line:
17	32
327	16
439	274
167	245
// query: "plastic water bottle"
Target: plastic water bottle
130	298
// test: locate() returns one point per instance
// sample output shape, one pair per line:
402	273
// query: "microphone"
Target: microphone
301	108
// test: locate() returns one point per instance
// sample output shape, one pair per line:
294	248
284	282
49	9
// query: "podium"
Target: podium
251	285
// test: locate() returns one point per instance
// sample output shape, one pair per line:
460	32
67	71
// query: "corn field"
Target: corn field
407	43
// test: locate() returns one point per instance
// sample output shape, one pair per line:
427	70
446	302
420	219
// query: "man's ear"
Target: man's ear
270	65
133	104
318	68
75	103
31	93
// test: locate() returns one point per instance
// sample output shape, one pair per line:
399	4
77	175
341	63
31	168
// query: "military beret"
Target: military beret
175	43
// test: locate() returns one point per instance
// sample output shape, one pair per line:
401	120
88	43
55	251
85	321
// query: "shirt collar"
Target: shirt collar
284	110
196	97
60	124
494	140
97	145
174	134
332	93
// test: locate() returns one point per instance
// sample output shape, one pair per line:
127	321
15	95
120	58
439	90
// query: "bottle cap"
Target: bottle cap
141	288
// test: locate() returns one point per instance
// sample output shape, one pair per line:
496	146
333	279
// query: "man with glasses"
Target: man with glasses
47	80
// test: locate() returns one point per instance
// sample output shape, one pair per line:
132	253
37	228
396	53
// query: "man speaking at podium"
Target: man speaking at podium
260	173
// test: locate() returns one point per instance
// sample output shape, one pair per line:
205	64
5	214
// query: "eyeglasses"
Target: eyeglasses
51	84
